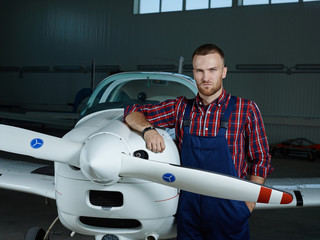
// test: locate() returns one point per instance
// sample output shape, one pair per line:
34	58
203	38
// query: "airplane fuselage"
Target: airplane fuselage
131	207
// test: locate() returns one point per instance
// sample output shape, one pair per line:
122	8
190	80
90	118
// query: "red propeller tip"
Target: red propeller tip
286	198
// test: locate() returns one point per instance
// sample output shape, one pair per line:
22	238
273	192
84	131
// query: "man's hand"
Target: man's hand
154	141
251	206
138	122
259	180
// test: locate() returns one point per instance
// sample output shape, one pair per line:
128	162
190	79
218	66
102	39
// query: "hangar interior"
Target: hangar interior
48	49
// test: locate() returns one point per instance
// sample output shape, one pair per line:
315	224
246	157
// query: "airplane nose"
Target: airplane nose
100	158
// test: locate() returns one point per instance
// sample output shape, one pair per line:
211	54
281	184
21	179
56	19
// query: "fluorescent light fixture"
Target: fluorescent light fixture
163	67
259	67
308	67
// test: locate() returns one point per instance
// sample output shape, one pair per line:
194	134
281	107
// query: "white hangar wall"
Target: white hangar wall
72	33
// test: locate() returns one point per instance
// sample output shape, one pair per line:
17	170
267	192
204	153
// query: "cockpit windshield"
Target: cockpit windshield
123	92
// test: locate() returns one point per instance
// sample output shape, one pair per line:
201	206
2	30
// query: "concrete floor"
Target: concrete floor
20	211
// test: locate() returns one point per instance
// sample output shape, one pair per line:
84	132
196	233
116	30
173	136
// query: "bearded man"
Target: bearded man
216	132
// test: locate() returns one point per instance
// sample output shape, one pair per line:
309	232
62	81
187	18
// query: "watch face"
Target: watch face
110	237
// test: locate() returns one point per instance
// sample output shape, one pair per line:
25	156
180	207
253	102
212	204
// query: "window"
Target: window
149	6
284	1
220	3
171	5
197	4
254	2
158	6
261	2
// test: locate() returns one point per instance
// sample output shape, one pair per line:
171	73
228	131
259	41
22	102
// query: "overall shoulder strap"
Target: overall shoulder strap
187	115
226	115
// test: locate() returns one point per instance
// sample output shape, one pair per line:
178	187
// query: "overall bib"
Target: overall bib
203	217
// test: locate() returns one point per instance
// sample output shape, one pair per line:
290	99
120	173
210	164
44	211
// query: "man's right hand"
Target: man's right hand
154	141
138	122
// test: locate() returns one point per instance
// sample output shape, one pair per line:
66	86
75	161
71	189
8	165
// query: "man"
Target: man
216	132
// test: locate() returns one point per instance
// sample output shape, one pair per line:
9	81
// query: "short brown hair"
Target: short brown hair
208	48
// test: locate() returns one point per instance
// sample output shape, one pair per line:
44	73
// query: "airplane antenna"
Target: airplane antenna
93	71
181	59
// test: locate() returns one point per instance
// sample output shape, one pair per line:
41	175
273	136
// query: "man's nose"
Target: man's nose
205	76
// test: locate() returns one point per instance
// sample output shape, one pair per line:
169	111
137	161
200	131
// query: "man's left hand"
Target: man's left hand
251	206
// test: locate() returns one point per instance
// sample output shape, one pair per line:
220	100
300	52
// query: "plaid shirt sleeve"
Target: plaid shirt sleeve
258	147
163	114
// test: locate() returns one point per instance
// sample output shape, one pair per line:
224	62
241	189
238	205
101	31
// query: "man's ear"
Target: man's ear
224	73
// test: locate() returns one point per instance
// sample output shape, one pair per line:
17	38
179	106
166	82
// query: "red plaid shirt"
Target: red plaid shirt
245	134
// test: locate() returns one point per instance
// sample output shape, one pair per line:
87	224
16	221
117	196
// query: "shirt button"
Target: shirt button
206	129
219	105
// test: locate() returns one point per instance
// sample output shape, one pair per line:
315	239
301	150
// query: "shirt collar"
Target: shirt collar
218	102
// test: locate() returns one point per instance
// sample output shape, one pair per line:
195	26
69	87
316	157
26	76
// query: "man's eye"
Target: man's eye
213	69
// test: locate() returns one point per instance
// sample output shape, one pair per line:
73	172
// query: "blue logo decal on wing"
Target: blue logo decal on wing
168	177
36	143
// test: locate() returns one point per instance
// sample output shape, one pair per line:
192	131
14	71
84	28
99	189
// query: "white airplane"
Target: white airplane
108	185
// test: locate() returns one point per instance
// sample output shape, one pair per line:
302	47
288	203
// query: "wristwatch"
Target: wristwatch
146	130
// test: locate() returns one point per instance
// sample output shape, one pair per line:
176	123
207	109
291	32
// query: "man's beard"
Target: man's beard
209	91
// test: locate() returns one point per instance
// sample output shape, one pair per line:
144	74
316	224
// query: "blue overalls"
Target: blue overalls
203	217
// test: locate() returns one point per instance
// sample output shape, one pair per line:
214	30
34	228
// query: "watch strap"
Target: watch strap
146	130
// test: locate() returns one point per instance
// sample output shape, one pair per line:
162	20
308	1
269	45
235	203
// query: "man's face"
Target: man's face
208	72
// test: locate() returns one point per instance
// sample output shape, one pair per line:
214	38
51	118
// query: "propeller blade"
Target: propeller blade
38	145
201	182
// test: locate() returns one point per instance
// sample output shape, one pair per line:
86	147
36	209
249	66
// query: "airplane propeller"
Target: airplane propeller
105	157
201	182
38	145
120	164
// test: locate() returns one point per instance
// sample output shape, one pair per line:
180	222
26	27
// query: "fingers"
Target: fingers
251	206
154	141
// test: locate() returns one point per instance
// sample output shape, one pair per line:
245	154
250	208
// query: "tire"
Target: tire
311	156
35	233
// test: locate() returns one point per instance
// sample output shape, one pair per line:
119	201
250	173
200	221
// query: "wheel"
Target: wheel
311	156
35	233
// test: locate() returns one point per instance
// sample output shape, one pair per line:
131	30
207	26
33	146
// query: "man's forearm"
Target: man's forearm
257	179
137	121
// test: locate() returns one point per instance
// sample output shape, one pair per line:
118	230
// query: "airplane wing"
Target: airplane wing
27	177
305	192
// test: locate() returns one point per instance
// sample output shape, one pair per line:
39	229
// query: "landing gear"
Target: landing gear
35	233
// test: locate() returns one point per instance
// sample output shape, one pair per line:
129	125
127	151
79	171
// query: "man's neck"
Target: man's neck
206	100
